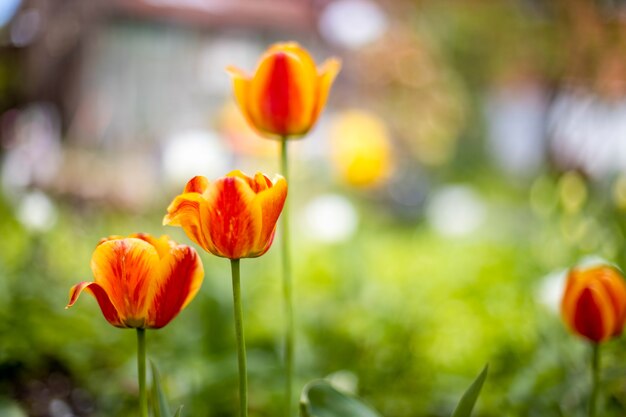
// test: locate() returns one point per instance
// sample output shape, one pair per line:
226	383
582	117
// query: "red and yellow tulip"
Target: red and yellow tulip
287	93
594	302
142	281
233	217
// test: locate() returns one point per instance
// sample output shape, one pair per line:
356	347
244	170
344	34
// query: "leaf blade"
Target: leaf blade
160	407
468	400
320	399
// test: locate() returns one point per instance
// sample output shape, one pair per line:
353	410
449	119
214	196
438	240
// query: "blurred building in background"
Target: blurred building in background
123	85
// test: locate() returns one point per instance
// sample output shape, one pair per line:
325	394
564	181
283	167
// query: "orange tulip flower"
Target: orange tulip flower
287	92
594	302
141	281
233	217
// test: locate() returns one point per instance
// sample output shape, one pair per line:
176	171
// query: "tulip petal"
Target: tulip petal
124	268
328	72
271	202
181	274
190	212
161	244
593	317
615	289
112	237
197	184
235	218
241	90
282	94
262	182
239	174
259	183
108	309
573	287
293	48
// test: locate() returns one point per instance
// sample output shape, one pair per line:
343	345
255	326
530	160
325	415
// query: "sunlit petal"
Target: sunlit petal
327	74
190	212
161	244
197	184
241	91
271	201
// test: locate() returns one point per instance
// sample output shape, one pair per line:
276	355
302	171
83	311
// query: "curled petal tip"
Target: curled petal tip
235	72
197	184
331	64
237	173
286	44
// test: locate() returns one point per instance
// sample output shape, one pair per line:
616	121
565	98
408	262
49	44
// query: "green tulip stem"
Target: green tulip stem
241	340
595	378
287	286
141	371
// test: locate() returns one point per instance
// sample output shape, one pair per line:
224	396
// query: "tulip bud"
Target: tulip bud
287	93
594	302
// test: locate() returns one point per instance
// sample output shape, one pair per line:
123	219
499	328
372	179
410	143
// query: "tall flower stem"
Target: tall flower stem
141	371
241	340
595	378
287	286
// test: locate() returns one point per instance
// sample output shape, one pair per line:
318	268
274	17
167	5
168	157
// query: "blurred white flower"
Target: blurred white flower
455	211
37	212
330	218
194	152
352	23
59	408
551	288
34	155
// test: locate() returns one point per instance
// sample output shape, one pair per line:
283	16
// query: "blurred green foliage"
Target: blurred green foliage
408	313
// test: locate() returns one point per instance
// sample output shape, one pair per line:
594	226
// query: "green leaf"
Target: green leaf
179	412
159	402
320	399
466	405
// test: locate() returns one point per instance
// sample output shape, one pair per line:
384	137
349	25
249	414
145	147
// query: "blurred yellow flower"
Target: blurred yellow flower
361	148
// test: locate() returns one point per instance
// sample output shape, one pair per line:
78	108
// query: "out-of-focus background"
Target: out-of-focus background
470	152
